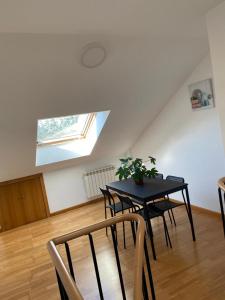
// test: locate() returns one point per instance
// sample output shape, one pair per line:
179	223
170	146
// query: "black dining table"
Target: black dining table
151	190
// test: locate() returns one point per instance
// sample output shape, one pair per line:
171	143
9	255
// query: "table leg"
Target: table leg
149	230
222	210
190	214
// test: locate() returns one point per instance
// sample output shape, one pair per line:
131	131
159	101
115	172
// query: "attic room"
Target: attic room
112	177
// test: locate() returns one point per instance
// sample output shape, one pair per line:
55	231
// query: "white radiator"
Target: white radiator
95	179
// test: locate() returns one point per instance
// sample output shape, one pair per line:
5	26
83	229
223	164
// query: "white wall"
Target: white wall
187	143
216	32
65	187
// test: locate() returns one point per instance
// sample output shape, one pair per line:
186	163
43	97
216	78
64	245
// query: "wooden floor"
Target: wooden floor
191	270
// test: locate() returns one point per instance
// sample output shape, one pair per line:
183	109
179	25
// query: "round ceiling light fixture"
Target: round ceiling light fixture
93	55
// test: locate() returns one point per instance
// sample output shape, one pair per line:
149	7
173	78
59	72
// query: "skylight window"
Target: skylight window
69	137
63	128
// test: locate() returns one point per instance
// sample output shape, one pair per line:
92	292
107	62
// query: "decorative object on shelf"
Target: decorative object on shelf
201	94
93	55
135	169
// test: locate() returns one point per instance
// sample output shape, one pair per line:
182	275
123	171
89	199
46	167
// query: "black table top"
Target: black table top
150	190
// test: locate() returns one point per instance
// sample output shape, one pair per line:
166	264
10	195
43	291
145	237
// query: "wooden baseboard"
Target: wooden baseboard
206	211
202	209
76	206
194	207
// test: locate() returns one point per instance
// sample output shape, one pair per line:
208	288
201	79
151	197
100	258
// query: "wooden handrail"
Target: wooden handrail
67	280
221	183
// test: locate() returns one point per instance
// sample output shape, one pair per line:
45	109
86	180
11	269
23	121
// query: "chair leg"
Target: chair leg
166	233
170	217
116	235
150	233
124	234
106	229
173	218
133	231
221	208
166	238
124	237
106	217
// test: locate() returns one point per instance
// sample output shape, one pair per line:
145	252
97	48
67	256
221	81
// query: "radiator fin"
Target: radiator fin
95	179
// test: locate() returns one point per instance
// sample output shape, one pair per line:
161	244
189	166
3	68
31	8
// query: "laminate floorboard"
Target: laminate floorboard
191	270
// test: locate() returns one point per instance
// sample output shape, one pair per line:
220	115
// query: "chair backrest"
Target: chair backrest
125	200
107	195
175	178
159	176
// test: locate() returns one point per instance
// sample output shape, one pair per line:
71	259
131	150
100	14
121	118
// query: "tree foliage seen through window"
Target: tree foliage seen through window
59	128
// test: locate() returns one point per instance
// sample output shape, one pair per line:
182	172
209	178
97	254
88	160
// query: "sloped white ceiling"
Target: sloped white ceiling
151	17
152	46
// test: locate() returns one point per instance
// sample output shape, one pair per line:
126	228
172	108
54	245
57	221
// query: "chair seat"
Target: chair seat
153	212
166	204
118	207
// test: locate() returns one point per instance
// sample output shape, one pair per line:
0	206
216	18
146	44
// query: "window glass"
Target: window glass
62	128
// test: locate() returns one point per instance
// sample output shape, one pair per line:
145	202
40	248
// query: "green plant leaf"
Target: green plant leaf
152	160
135	168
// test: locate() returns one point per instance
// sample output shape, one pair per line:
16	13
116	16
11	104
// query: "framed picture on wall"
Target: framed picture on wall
201	94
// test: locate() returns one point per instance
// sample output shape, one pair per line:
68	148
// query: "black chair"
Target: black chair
159	176
115	207
152	213
167	204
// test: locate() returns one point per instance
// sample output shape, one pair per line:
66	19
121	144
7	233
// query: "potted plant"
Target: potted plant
134	168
